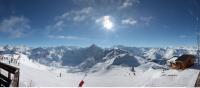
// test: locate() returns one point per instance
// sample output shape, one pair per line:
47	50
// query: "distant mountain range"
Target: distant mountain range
90	57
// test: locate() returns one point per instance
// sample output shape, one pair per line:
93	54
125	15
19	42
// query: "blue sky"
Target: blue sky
143	23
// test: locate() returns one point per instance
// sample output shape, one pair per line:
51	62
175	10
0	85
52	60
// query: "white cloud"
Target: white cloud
98	20
76	15
129	21
63	16
102	18
128	3
82	14
86	10
79	18
15	27
73	17
59	25
183	36
62	37
146	20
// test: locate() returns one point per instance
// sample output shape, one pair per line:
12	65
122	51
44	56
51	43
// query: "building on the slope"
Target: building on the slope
182	62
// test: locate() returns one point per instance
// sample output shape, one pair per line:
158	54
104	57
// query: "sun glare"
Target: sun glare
107	23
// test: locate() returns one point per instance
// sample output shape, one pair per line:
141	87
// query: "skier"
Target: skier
30	83
163	70
133	70
60	74
81	83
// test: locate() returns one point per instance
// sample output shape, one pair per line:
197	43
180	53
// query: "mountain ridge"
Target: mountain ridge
88	57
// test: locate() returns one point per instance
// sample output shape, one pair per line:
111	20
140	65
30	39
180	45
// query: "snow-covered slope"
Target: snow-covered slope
34	74
99	67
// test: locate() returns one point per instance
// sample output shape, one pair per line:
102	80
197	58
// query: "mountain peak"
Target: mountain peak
94	46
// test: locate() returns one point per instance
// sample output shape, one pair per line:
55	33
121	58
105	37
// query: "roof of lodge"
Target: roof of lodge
184	57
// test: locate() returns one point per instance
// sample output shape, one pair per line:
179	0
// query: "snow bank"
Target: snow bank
118	76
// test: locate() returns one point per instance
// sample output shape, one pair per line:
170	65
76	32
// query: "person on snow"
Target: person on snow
60	74
133	70
163	70
81	83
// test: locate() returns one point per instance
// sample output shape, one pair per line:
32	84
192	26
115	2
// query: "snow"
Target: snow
101	72
173	59
35	74
169	78
169	53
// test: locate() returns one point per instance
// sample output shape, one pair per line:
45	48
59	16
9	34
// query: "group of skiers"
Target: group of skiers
82	81
10	59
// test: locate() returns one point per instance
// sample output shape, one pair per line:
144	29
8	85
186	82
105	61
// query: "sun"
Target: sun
107	23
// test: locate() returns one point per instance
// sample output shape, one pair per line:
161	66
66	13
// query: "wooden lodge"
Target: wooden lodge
183	62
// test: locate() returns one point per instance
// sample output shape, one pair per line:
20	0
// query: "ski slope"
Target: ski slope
37	75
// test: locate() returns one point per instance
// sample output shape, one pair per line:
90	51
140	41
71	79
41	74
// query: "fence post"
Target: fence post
9	75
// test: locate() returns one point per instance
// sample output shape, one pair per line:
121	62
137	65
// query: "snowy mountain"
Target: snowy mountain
89	57
99	66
